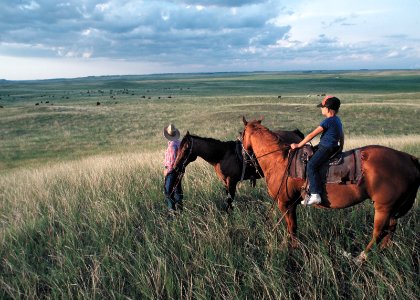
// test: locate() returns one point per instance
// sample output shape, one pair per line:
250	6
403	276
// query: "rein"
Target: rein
290	155
268	153
285	175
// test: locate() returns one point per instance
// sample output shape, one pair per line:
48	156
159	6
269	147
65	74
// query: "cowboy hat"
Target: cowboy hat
171	132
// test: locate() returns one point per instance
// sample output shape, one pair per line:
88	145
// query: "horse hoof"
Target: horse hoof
360	259
346	254
294	243
229	208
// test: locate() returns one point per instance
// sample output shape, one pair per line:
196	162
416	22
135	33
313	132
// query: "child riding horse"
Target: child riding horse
391	179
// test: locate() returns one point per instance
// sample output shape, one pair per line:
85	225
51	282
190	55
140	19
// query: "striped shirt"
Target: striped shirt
170	154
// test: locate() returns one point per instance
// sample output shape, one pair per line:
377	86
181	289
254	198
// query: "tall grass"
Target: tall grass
82	213
97	228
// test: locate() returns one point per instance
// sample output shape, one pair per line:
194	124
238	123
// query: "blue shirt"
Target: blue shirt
333	130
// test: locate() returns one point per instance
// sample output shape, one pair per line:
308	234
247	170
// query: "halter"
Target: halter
254	159
188	156
248	158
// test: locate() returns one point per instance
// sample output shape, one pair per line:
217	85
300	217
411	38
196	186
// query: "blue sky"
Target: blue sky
42	39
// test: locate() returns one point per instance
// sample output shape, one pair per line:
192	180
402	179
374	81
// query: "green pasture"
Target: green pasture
81	207
67	123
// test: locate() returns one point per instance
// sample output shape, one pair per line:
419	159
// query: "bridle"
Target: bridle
283	183
191	141
181	171
252	158
248	158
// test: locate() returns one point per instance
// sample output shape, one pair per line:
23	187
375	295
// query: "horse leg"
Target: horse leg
407	203
230	191
289	213
386	242
380	226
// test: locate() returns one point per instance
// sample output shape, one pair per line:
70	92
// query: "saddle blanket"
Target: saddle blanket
345	168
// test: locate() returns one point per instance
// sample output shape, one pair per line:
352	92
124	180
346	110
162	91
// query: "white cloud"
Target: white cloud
102	7
393	54
199	35
165	15
33	5
87	54
285	44
87	32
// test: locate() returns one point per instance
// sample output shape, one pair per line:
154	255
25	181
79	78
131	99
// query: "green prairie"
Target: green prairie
82	213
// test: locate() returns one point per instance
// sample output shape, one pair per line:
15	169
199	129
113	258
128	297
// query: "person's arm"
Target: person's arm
172	152
170	156
308	138
341	143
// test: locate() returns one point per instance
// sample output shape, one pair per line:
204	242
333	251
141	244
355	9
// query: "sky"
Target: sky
42	39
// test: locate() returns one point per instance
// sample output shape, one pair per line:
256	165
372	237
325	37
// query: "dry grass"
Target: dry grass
78	224
396	142
97	228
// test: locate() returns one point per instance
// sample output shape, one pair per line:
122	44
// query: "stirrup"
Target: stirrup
306	199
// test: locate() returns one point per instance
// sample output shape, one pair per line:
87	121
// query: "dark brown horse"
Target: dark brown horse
390	179
226	158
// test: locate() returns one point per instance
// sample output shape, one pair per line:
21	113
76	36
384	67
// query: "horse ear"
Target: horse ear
260	120
244	120
188	133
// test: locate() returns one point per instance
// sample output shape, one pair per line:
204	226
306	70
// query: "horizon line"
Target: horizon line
3	80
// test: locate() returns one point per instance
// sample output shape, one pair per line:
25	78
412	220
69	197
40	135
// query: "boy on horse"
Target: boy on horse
331	142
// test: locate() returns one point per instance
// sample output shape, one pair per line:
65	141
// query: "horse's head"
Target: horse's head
265	137
247	132
185	153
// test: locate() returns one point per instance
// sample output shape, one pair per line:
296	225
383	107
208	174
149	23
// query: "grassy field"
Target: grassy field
81	202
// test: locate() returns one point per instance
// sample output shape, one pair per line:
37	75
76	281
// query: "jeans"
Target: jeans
173	194
315	164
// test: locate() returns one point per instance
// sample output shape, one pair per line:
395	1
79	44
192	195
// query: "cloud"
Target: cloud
219	3
217	34
153	30
32	5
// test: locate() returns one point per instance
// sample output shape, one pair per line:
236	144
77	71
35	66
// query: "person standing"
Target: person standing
172	188
331	142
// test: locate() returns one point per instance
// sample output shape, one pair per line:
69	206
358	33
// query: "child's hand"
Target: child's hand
294	146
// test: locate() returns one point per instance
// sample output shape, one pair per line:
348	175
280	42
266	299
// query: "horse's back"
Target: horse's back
386	167
390	178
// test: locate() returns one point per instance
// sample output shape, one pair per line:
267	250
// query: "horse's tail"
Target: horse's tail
407	204
417	164
412	193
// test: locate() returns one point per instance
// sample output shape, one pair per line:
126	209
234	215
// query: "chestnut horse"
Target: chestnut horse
390	179
226	158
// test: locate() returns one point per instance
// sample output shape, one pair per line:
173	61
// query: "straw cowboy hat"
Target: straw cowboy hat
171	132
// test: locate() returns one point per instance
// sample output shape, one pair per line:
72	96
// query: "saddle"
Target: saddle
343	168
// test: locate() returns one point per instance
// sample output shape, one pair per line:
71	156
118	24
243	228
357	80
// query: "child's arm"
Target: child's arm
341	143
308	138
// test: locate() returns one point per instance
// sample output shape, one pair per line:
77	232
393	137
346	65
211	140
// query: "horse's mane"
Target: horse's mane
263	131
209	140
269	136
286	136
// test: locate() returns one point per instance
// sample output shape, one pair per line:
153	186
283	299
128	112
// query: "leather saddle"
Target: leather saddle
343	168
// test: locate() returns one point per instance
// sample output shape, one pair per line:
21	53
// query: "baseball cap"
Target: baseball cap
331	102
